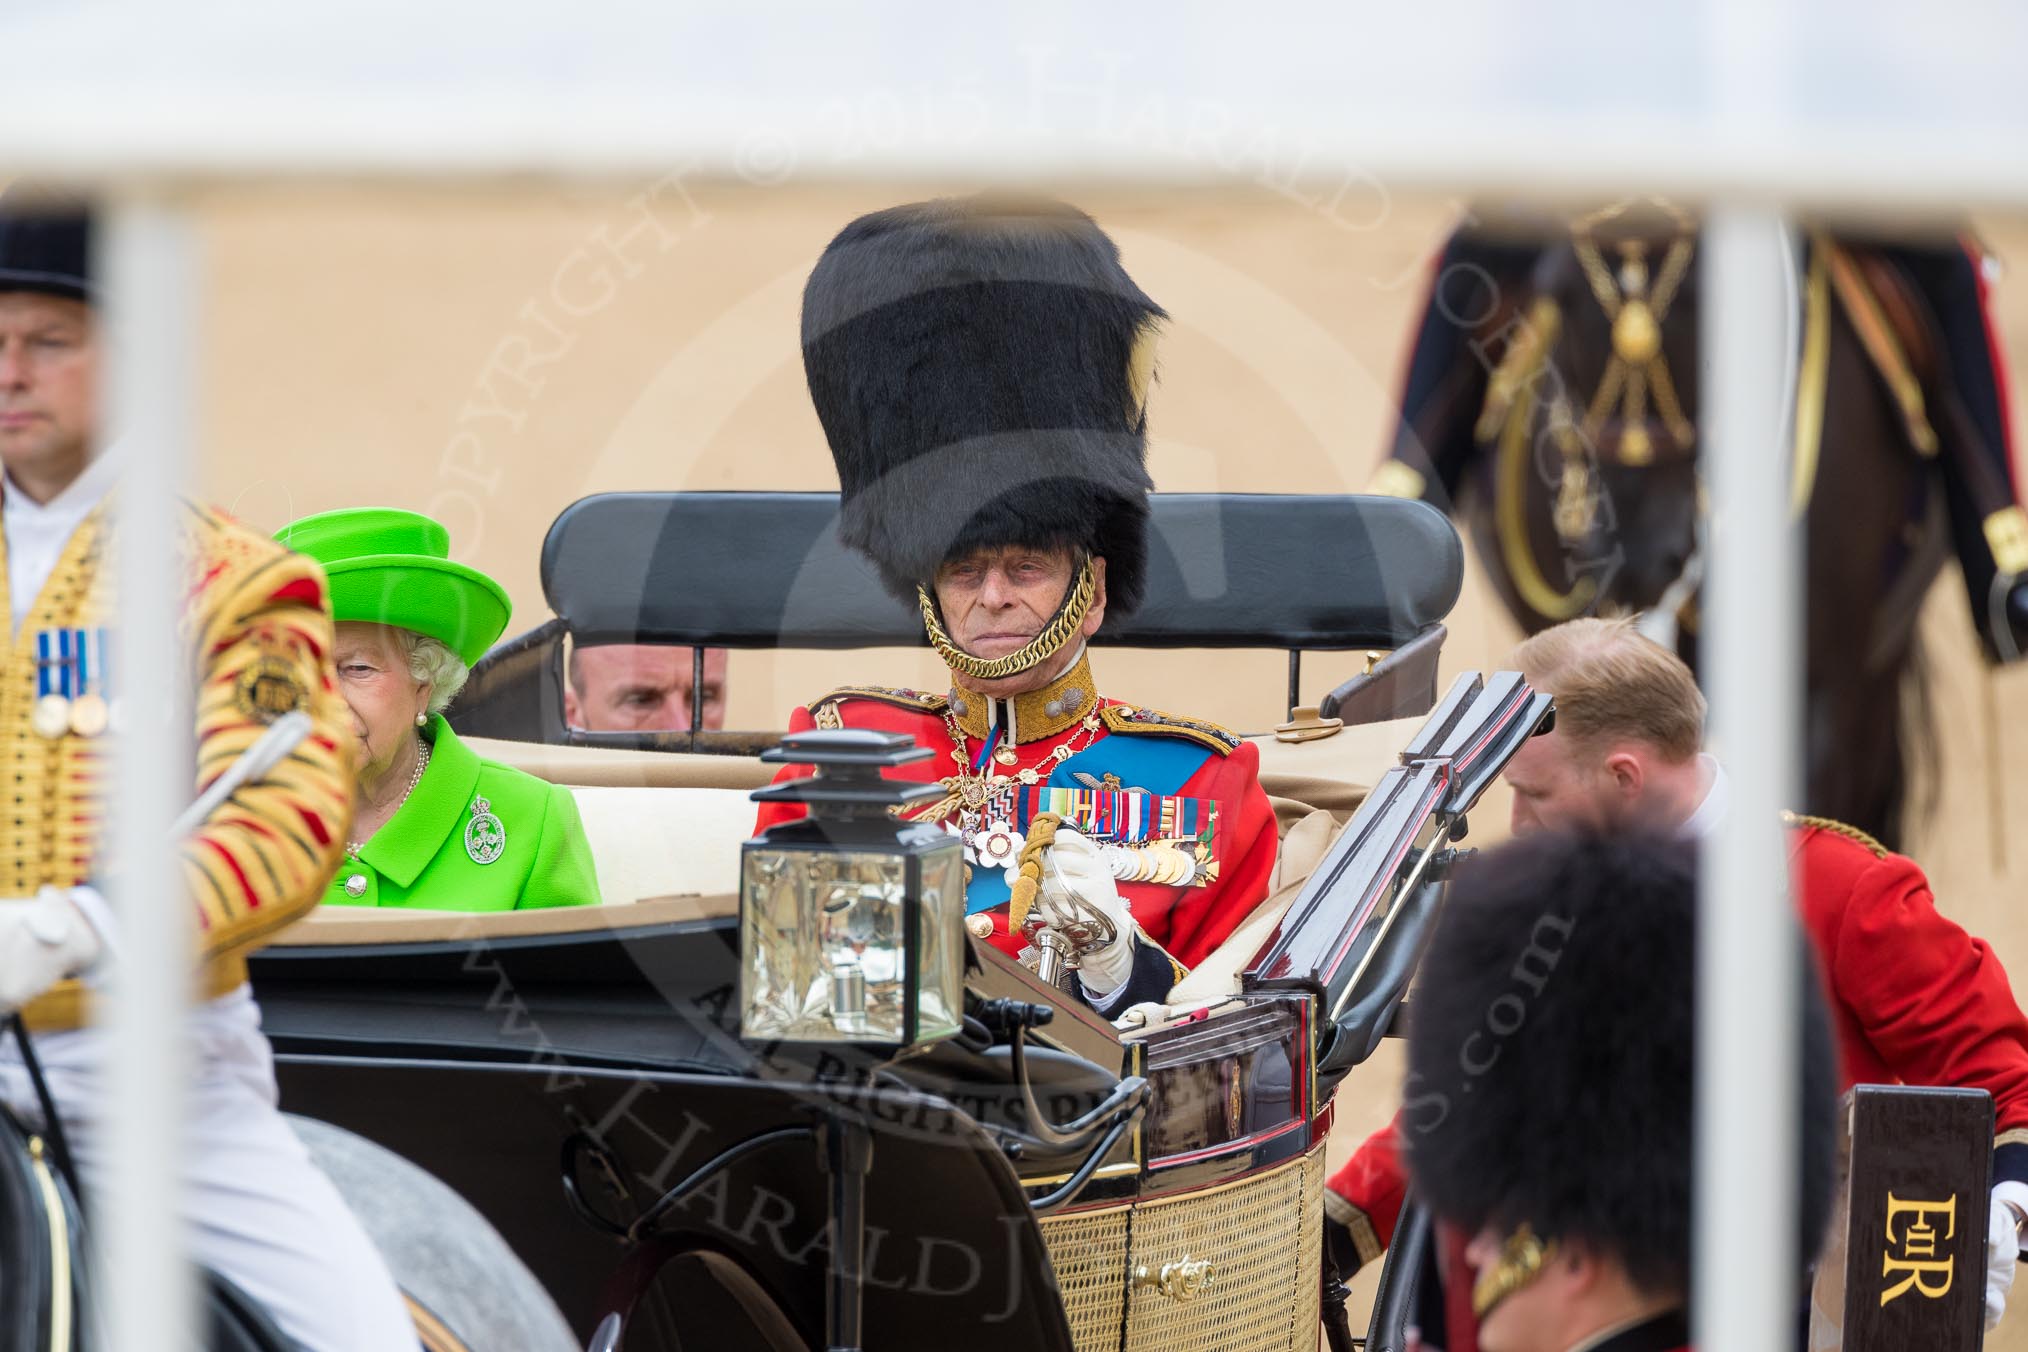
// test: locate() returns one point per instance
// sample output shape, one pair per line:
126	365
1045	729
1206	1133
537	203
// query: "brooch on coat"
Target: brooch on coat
485	837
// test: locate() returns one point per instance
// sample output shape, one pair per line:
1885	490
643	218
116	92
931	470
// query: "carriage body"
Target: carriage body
562	1069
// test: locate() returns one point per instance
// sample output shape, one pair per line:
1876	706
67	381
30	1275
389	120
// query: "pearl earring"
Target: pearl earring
422	720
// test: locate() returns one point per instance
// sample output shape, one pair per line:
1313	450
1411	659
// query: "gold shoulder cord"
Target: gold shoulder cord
1837	828
1075	607
1028	878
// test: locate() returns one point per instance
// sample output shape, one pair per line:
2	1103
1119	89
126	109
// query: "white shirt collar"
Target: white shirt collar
1704	819
75	502
38	531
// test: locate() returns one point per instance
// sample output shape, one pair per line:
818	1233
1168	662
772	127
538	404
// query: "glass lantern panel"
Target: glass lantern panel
822	935
941	1001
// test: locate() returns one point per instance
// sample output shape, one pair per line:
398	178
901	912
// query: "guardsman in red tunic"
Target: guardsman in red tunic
1553	1146
1914	999
981	368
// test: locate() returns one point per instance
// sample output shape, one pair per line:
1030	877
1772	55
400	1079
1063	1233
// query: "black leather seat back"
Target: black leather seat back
766	570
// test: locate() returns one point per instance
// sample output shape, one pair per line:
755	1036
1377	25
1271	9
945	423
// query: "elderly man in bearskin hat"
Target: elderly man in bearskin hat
1557	1157
981	368
255	1208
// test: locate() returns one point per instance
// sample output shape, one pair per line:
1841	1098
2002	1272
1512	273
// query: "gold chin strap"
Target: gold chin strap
1522	1258
1042	647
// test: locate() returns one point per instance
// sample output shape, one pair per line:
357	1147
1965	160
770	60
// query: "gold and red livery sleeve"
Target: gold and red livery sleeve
1915	998
263	634
1364	1199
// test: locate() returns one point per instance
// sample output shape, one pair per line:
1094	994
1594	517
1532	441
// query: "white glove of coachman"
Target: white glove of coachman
2003	1249
1074	866
43	939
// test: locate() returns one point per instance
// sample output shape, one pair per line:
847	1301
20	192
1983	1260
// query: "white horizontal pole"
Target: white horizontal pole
1331	164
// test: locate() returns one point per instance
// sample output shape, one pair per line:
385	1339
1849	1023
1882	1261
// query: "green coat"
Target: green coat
421	859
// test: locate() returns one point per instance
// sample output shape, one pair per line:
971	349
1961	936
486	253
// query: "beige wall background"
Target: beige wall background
489	357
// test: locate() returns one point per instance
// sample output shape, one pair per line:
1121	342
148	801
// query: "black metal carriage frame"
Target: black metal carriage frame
496	1051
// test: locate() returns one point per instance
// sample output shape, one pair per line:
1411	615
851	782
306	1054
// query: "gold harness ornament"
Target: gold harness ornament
1637	366
1044	645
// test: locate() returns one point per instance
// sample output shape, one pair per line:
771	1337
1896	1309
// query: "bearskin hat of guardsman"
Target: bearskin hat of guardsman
980	366
1550	1057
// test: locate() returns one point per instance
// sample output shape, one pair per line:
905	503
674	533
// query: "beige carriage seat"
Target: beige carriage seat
1315	787
660	824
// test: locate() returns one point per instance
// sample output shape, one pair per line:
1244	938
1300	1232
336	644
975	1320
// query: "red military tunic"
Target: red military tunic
1914	1000
1176	804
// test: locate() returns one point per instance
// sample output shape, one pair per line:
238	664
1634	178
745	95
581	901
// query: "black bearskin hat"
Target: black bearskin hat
45	244
979	367
1550	1055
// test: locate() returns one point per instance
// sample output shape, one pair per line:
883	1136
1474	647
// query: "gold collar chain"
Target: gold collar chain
1060	630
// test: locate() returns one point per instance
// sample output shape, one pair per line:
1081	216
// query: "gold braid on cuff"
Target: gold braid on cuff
1069	616
1522	1258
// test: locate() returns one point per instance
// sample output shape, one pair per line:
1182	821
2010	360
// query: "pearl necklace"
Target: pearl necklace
422	763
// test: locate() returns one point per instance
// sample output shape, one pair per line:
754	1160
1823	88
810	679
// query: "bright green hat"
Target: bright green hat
388	566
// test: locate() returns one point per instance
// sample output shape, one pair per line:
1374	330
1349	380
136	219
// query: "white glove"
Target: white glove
2003	1251
1073	866
43	939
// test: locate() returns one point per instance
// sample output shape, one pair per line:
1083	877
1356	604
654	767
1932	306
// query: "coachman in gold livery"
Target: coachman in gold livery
258	634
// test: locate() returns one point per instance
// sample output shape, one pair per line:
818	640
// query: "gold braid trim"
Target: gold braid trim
919	700
1365	1239
1040	648
1131	721
1837	828
1028	876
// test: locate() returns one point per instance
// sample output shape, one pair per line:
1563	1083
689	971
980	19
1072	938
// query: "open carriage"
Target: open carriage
1040	1180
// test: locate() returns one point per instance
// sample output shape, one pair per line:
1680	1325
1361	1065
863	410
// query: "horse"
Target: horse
1552	403
466	1291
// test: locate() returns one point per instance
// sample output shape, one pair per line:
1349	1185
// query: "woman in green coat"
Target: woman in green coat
435	827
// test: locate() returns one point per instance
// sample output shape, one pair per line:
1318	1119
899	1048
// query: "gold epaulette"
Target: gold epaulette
1839	828
1125	718
919	700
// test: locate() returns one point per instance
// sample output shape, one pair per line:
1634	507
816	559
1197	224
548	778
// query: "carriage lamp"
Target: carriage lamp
851	922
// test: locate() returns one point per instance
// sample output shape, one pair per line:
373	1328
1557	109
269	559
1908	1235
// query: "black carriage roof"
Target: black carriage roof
766	570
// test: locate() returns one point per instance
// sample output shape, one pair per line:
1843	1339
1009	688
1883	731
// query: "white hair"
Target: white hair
432	660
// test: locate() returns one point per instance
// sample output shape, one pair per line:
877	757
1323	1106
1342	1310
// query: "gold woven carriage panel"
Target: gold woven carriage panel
1230	1269
1089	1253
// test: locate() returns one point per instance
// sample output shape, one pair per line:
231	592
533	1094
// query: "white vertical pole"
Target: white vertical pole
145	249
1745	1265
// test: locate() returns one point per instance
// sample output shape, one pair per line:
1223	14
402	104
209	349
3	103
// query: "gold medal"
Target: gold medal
1006	755
89	715
51	717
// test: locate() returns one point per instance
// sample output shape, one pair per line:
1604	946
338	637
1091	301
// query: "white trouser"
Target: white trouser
257	1210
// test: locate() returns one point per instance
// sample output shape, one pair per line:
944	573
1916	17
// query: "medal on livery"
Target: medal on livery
89	710
56	664
485	837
